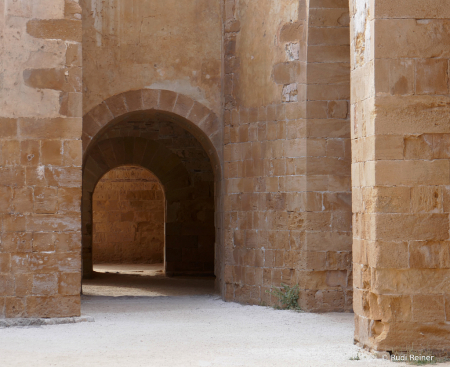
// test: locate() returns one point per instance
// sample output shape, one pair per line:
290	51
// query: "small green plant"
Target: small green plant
287	297
357	358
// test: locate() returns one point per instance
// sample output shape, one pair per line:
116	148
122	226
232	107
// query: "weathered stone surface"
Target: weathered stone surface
178	48
131	230
53	128
68	30
42	87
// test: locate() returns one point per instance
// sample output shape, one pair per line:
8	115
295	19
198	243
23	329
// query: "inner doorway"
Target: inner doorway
128	246
135	229
128	220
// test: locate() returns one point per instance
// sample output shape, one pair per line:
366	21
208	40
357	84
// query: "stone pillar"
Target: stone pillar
401	149
40	164
325	274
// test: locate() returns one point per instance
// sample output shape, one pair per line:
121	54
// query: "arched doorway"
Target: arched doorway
128	219
184	160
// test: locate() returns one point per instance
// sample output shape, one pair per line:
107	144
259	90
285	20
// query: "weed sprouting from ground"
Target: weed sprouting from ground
287	297
357	358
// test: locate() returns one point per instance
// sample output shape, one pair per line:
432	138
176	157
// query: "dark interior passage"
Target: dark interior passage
181	165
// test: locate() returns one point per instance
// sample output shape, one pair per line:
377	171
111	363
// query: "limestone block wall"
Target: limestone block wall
158	44
128	218
262	153
400	141
287	151
325	268
40	161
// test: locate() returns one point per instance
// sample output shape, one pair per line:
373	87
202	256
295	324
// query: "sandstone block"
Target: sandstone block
326	73
23	284
287	73
16	242
30	152
388	254
51	152
403	38
6	285
22	201
45	200
329	36
410	281
8	128
68	30
73	54
387	199
57	128
337	17
133	100
429	254
15	307
69	284
167	100
72	153
395	77
412	172
10	153
14	223
412	115
66	80
394	227
427	199
412	9
5	263
5	199
337	109
58	306
291	32
428	308
72	10
45	284
432	76
71	104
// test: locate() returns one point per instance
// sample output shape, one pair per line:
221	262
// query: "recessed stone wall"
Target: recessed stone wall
128	217
287	151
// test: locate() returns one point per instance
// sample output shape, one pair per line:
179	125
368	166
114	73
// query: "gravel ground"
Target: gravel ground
166	326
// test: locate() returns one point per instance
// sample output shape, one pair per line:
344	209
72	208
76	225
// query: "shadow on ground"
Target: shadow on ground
143	281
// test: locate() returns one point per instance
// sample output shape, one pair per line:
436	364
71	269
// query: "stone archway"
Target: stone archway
192	116
130	129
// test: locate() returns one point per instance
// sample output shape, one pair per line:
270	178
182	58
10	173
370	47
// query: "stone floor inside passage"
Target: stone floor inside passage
145	319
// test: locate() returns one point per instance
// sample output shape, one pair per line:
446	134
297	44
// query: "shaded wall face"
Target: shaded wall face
401	131
326	270
40	164
287	151
163	44
128	216
262	173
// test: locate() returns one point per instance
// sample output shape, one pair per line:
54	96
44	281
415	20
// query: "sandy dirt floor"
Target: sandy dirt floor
145	319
